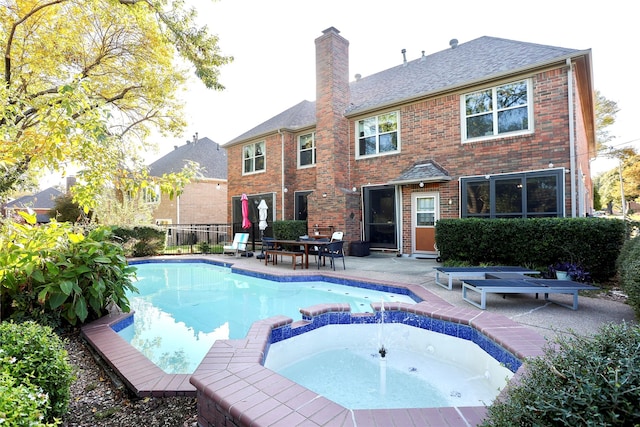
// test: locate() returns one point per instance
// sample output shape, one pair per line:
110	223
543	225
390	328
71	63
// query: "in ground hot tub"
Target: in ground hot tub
420	368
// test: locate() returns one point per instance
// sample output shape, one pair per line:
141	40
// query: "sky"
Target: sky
273	43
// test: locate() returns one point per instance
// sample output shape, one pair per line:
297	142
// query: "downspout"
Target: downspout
572	139
178	209
282	187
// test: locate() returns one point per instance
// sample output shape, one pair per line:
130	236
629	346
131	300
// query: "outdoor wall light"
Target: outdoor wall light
354	189
450	201
324	194
487	176
217	186
550	164
421	184
286	190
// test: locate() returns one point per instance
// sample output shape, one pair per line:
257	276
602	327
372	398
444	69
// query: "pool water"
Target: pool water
421	369
183	308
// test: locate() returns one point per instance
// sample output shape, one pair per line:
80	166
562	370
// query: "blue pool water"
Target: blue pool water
182	308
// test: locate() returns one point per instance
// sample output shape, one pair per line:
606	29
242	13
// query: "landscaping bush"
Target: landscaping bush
22	405
289	230
593	243
140	241
584	381
34	356
51	273
628	264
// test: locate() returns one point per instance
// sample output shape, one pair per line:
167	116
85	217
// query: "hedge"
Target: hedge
594	243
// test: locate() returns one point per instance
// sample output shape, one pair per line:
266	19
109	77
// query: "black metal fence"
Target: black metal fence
204	238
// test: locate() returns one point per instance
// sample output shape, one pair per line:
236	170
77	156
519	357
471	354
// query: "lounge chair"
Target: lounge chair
238	245
523	286
461	273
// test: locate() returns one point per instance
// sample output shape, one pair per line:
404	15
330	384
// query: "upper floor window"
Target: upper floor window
253	157
497	111
151	194
307	150
378	135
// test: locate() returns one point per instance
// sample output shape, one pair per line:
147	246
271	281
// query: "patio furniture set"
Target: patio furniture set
507	280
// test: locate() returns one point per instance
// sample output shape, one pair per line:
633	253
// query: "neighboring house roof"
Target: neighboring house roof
44	199
208	154
482	59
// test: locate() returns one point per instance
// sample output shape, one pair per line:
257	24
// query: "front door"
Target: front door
425	208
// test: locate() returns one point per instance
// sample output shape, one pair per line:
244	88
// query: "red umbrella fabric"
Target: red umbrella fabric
245	211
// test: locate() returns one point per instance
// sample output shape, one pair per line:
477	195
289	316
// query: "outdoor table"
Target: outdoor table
304	243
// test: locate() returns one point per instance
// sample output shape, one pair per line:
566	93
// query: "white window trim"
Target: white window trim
378	154
312	165
463	115
254	171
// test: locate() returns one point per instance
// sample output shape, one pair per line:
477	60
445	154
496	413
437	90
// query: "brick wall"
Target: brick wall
200	203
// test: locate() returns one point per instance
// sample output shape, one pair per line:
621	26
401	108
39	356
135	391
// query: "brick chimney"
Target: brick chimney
329	202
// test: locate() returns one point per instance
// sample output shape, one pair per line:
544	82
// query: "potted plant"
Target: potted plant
569	270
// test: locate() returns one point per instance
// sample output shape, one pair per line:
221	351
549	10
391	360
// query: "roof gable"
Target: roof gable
207	153
482	59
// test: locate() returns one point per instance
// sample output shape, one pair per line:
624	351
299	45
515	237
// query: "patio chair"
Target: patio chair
332	251
313	250
267	244
238	245
337	235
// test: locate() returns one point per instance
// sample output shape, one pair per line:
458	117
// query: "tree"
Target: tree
605	112
85	82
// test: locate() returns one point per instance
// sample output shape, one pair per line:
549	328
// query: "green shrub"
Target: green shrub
21	405
34	356
594	243
140	241
290	229
584	381
628	264
51	273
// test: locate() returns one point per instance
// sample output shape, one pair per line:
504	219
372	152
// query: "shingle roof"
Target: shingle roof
482	59
210	155
44	199
424	171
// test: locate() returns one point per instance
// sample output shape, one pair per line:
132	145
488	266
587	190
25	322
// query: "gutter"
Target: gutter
572	139
282	186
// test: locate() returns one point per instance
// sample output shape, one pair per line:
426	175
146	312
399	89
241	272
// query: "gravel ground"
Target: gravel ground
98	401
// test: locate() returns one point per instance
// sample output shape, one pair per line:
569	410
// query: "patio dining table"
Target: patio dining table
278	243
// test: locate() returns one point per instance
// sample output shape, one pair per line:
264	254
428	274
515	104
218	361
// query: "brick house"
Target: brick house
40	203
204	200
491	128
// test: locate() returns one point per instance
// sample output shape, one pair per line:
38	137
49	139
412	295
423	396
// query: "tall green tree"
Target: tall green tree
85	83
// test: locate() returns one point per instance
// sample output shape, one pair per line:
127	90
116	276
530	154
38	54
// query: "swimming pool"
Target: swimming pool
183	308
232	383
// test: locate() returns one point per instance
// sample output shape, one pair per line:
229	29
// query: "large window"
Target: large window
378	135
497	111
253	157
521	195
307	150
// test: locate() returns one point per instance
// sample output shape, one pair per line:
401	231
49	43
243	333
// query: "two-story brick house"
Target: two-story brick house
203	200
491	128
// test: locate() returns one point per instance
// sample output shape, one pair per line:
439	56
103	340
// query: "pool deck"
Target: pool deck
522	324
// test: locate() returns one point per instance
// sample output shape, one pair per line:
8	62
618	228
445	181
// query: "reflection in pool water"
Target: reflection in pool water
182	308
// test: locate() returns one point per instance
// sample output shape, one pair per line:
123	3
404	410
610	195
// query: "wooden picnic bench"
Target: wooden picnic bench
275	252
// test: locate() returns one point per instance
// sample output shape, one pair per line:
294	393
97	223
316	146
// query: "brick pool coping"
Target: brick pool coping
233	388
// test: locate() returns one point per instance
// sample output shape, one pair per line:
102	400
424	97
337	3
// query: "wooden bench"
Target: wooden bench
275	252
